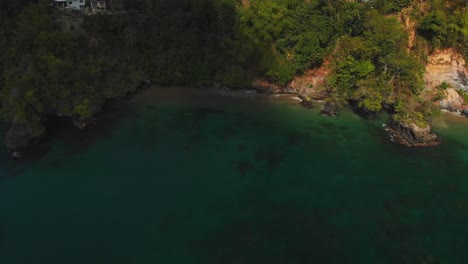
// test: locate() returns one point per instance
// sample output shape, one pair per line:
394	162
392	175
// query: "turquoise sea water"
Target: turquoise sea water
207	179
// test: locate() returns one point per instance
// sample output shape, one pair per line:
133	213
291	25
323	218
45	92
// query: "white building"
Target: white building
71	4
98	5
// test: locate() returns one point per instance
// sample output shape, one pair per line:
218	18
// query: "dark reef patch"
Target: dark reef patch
244	167
271	235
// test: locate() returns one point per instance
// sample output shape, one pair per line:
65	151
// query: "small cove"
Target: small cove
179	177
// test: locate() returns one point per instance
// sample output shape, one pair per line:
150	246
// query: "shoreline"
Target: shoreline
454	116
159	93
210	97
257	99
198	96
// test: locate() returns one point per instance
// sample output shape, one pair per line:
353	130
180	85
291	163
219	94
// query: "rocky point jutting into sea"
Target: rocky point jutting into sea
443	67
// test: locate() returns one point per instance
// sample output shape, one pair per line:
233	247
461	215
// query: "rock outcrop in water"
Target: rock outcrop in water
306	102
329	109
411	135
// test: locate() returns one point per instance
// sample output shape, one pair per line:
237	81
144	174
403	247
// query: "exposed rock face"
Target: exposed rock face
446	66
310	85
312	82
453	101
18	136
411	135
329	109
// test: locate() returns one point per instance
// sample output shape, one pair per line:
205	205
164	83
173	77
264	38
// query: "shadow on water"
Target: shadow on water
76	140
114	112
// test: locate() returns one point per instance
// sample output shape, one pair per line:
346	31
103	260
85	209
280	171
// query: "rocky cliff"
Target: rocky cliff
446	66
447	69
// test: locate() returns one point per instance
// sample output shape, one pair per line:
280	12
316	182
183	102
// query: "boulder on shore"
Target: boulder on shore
329	109
465	112
453	101
412	135
306	102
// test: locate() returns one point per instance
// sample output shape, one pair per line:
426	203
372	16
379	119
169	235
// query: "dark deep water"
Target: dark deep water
208	179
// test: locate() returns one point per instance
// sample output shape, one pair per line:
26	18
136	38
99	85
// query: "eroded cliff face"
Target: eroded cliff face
312	82
310	85
449	67
446	66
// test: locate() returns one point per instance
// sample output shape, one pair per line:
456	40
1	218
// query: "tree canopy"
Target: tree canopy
53	63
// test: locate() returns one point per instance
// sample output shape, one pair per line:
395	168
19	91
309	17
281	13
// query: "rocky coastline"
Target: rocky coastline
19	136
330	109
453	102
405	134
411	135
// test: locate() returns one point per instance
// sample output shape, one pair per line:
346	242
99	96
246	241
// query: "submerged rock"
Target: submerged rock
329	109
411	135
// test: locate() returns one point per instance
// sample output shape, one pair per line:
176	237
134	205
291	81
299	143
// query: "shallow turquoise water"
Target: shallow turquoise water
236	181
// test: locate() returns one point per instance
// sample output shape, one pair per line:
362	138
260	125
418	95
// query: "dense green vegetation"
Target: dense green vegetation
445	25
51	68
56	64
374	67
